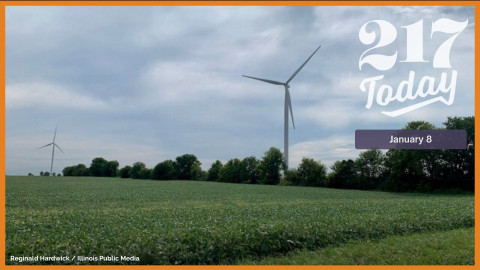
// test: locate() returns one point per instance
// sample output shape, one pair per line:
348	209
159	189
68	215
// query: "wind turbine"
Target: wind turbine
288	102
53	144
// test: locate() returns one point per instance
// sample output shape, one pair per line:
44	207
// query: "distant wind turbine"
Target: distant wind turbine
53	144
288	102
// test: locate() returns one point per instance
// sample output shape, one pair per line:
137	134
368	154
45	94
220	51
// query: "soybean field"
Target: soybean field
193	222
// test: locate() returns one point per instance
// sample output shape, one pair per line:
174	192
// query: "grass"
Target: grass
455	247
185	222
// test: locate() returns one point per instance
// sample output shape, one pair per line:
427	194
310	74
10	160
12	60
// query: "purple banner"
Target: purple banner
411	139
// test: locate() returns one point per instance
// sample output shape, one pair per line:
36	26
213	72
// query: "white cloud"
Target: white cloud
41	94
326	150
188	81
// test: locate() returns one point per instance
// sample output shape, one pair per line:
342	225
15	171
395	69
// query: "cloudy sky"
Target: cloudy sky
152	83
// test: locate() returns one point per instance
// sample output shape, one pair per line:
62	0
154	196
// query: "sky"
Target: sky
153	83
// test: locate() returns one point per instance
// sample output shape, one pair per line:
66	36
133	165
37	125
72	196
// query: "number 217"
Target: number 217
388	34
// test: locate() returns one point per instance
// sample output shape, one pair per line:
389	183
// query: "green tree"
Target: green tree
197	173
111	169
292	177
312	173
406	171
412	170
214	171
184	165
145	173
138	170
459	167
164	170
67	171
231	172
97	168
125	172
370	167
80	170
270	165
249	170
343	174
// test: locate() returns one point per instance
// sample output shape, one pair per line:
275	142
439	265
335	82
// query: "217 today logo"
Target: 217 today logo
426	91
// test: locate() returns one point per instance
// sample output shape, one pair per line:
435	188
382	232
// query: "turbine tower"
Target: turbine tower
288	102
53	144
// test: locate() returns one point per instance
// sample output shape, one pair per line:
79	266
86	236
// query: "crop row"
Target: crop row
212	223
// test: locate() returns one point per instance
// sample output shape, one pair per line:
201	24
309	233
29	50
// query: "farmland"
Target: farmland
454	247
189	222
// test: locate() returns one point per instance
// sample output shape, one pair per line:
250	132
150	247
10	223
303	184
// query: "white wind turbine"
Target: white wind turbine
53	144
288	102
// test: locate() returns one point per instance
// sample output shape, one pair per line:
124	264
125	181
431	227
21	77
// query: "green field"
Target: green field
186	222
454	247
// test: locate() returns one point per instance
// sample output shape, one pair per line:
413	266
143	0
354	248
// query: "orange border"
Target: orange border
3	4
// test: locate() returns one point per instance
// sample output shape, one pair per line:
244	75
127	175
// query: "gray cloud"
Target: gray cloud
151	83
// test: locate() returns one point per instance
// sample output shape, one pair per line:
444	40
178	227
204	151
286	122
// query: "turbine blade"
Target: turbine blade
54	134
59	148
44	146
298	70
264	80
289	101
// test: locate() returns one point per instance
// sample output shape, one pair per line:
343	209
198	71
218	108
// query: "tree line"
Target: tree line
395	170
411	170
188	167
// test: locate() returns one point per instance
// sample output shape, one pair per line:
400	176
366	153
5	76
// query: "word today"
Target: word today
404	91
